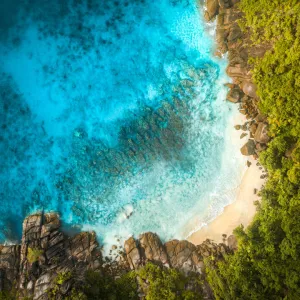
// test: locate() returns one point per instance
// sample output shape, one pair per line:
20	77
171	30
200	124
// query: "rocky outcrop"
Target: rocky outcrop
261	133
152	248
212	7
232	40
249	89
9	266
133	253
46	252
183	255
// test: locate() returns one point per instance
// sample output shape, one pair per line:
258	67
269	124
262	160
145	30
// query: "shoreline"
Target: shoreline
199	221
241	211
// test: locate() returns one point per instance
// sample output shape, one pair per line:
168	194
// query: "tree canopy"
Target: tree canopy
267	262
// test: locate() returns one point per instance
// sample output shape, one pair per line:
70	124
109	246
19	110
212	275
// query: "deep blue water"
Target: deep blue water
112	113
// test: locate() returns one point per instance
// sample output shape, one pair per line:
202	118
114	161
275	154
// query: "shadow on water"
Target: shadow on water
69	229
8	16
12	231
10	12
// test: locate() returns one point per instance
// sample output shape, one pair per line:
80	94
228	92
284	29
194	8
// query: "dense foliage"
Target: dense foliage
154	282
168	284
7	296
33	254
106	287
267	263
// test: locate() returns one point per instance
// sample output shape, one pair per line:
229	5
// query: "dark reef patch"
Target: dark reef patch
108	109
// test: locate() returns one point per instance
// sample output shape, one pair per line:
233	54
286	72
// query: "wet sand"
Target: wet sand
239	212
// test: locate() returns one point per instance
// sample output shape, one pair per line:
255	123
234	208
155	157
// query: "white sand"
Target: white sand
240	212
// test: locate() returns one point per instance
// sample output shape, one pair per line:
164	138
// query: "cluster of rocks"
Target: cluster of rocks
57	253
53	253
181	255
232	40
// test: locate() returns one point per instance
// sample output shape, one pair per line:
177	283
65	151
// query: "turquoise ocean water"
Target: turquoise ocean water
113	114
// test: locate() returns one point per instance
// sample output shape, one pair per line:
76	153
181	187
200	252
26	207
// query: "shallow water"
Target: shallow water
113	114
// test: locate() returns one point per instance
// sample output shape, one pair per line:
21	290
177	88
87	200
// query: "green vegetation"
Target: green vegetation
155	282
33	254
60	279
63	277
7	295
267	263
168	284
106	287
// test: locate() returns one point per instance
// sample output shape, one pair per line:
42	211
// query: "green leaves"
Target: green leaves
161	283
34	254
267	262
105	287
156	282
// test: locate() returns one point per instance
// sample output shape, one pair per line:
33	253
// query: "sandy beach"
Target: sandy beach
239	212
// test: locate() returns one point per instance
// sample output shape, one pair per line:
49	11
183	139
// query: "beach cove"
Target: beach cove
115	141
251	124
189	190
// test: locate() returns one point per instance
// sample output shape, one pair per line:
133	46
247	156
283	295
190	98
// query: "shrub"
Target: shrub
106	287
168	284
33	254
5	295
62	277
